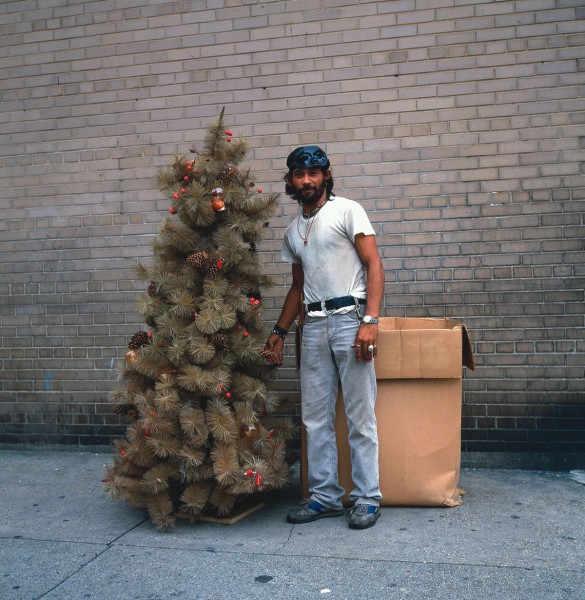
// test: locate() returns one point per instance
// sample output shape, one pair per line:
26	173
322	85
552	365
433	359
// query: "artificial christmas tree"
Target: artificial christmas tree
202	435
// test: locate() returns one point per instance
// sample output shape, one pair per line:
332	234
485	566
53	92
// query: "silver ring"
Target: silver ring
371	348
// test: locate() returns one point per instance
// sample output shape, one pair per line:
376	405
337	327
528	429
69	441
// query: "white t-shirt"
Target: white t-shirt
331	264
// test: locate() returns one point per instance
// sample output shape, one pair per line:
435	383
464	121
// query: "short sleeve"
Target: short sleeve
287	253
357	221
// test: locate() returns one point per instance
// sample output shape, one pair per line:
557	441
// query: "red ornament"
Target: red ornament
189	167
258	480
149	334
217	199
186	178
183	190
249	473
218	205
173	210
175	196
228	139
259	190
147	430
246	333
228	395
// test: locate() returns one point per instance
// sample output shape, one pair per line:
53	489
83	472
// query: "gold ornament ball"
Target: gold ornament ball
131	356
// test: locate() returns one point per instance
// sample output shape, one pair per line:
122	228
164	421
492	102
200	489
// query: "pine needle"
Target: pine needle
194	426
200	348
192	457
225	463
183	303
167	401
155	480
221	422
201	473
149	306
206	381
195	497
223	501
160	509
208	321
249	389
164	447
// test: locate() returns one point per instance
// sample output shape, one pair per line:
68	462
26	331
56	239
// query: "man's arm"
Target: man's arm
367	335
288	314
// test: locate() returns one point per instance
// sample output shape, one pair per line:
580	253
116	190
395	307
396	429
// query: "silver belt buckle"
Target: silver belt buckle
327	312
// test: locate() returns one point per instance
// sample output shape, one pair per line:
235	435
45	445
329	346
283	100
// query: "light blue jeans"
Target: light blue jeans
328	359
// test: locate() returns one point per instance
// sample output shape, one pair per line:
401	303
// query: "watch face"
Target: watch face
367	319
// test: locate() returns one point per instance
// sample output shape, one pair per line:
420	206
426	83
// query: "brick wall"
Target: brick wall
458	124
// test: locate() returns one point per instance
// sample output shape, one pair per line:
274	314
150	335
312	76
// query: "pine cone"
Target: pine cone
138	340
212	271
152	288
214	265
229	174
199	260
128	410
220	340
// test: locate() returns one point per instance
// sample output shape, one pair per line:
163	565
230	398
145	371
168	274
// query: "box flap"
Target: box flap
413	348
468	356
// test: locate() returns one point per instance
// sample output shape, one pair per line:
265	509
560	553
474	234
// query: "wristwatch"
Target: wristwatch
369	320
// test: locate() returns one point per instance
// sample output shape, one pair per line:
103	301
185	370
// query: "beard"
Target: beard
309	194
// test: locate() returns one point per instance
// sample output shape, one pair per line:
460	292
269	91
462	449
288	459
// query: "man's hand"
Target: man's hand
273	350
366	338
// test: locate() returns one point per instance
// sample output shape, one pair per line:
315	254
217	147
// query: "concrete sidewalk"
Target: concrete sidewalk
518	535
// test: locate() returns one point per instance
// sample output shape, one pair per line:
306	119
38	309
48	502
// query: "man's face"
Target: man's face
308	184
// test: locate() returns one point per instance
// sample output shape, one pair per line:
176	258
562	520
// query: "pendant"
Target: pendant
306	242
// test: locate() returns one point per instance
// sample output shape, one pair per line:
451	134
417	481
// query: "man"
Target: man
336	265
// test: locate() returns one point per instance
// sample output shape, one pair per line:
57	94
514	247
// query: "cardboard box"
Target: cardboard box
418	410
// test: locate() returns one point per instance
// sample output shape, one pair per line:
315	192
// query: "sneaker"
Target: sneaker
362	516
311	510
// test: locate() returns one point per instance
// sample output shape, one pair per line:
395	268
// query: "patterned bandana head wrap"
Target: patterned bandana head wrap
306	157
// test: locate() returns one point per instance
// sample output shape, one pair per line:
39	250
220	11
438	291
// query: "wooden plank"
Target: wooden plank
230	520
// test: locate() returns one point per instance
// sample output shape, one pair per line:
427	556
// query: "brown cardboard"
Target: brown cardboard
418	410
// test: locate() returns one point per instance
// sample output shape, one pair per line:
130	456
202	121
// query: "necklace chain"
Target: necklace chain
312	215
314	211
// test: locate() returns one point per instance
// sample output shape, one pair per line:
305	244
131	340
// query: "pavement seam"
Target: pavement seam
78	570
108	546
364	560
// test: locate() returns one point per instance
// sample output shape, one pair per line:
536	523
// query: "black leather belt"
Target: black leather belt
331	304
